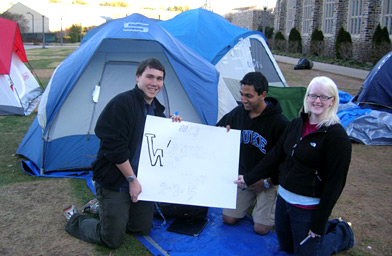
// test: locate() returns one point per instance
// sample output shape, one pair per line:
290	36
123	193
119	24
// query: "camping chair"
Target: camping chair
290	98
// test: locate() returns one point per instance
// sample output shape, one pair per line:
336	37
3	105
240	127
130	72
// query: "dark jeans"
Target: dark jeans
117	215
292	226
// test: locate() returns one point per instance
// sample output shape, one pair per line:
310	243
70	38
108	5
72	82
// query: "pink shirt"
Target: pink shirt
308	128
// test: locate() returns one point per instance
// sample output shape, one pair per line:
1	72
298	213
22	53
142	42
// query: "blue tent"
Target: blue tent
208	33
234	51
376	91
62	137
367	117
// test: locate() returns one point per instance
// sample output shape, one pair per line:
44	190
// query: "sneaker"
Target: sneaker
350	225
69	211
353	241
92	206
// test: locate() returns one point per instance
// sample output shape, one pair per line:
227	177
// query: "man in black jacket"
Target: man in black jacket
120	129
261	122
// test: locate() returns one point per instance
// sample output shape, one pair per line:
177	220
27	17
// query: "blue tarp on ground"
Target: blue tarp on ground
216	239
364	125
31	169
344	97
350	113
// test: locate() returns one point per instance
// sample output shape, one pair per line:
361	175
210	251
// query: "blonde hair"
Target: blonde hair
330	116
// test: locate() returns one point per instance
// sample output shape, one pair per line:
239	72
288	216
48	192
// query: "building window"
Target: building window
387	11
307	19
328	14
290	15
355	17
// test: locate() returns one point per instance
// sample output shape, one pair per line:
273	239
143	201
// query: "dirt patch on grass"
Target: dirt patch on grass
366	199
39	57
44	73
31	219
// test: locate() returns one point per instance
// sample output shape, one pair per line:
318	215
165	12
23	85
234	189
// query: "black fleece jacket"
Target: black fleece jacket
120	129
259	134
314	166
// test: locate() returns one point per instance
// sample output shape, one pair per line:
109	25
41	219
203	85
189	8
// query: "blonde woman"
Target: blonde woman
313	157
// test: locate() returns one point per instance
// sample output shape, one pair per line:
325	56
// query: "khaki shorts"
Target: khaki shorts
264	206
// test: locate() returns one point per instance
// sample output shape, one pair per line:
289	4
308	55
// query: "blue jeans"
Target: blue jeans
293	224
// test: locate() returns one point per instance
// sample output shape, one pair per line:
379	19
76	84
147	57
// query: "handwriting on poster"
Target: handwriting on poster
188	163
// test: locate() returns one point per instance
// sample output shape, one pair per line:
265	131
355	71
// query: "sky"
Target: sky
218	6
58	19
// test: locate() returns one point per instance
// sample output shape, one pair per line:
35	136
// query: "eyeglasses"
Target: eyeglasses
322	97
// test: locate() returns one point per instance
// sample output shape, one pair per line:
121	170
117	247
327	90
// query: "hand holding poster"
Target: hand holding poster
188	163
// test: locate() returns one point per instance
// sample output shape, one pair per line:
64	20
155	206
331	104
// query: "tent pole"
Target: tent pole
42	169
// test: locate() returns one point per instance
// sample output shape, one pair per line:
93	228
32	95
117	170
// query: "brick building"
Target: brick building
251	17
359	17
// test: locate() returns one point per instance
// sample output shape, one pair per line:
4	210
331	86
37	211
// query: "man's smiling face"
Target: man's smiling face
150	82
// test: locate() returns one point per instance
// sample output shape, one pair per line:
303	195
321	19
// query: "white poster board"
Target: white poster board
189	163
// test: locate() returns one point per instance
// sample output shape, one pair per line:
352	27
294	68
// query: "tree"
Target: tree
75	32
279	41
385	35
279	36
317	43
115	4
381	44
79	2
19	18
343	45
269	32
380	35
295	41
178	8
147	8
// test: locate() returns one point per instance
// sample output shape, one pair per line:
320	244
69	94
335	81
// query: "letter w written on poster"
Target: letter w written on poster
188	163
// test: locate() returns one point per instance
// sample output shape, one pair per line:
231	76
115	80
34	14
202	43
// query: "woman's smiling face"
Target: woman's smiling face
319	99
